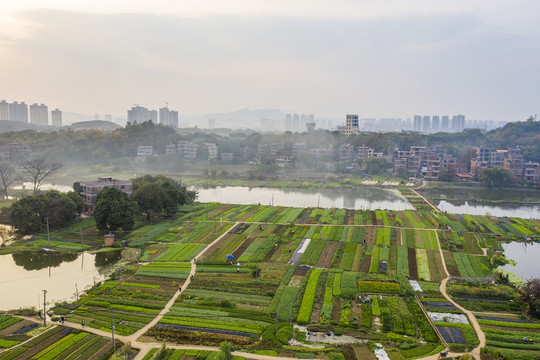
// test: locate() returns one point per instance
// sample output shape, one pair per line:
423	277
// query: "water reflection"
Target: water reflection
365	197
42	259
106	258
25	275
479	201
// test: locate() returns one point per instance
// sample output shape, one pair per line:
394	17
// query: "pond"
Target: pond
479	201
526	256
509	210
26	275
361	198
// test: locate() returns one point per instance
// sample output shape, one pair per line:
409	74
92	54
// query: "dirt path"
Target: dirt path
472	319
145	347
133	337
426	200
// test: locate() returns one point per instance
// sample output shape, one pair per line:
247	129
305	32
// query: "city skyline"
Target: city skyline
382	59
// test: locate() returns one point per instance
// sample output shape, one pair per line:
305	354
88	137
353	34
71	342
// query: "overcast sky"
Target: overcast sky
374	58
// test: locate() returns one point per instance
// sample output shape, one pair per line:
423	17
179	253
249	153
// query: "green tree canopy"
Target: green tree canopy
160	195
30	214
376	165
495	177
529	293
114	210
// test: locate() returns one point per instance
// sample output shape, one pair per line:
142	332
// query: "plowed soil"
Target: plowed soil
327	255
370	235
413	269
240	250
366	263
336	310
452	269
373	218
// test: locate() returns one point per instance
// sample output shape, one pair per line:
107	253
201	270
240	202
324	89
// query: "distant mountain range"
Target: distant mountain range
243	118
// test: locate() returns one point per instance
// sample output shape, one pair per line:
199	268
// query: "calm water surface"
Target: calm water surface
500	202
362	198
526	255
25	275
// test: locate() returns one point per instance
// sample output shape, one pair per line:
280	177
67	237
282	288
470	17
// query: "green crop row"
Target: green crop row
348	256
309	296
328	298
60	346
348	285
383	287
336	287
508	324
402	261
7	320
139	285
423	265
374	260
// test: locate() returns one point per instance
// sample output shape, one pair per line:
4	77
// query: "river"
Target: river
361	198
480	201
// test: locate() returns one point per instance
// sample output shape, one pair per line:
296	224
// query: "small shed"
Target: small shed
109	240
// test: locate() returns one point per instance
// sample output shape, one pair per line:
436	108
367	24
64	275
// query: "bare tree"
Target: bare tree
7	177
38	169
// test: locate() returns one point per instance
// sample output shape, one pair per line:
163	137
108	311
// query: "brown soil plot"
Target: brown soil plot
325	260
413	269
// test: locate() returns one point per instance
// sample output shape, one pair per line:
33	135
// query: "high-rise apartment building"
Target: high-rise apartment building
426	123
303	121
140	114
56	118
4	110
295	123
18	112
39	114
310	125
351	125
211	123
168	117
288	122
417	123
444	122
458	123
435	123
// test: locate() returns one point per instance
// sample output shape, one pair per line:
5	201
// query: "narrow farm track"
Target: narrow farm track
144	347
133	337
426	200
472	318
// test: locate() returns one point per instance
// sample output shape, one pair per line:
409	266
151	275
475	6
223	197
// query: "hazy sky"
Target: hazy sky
375	58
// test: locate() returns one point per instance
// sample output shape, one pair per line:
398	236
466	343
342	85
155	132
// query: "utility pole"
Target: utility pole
112	329
48	234
44	310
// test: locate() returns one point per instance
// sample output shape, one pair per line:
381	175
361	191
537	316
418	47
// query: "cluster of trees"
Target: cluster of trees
495	177
113	147
114	209
35	170
529	293
152	195
31	213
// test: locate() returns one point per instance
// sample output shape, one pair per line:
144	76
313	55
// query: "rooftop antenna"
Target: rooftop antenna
166	104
